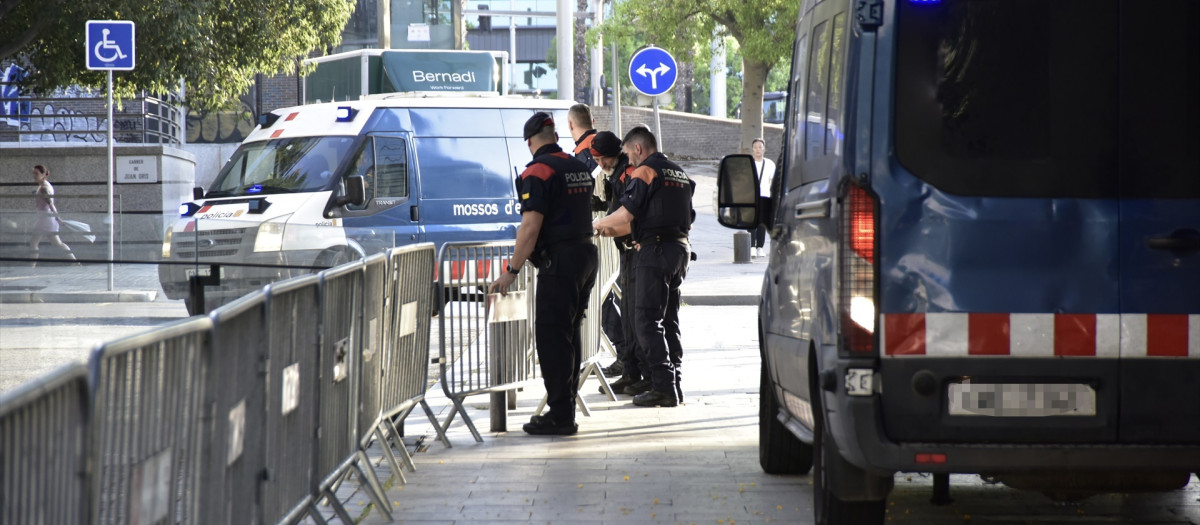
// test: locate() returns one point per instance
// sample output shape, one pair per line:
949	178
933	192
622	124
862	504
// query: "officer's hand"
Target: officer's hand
501	284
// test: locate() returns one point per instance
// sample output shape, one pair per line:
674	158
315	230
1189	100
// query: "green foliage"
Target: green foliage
762	32
216	46
764	29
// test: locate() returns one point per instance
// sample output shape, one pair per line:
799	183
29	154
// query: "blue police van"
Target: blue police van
985	249
323	184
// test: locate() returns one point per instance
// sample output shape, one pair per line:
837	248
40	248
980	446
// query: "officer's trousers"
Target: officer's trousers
566	275
659	269
633	358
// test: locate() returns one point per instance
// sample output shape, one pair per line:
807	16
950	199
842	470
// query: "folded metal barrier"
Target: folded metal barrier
44	428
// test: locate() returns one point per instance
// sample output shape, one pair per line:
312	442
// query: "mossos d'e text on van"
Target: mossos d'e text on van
985	249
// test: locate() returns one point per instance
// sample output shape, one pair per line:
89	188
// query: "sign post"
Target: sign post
109	46
653	71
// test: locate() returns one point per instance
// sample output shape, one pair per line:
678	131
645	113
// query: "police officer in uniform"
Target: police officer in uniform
555	235
657	210
631	361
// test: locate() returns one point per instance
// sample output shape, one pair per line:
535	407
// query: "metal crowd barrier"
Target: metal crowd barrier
43	455
485	346
404	363
149	405
250	414
595	342
293	316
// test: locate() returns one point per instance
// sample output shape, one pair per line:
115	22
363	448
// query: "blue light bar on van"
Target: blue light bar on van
925	2
346	113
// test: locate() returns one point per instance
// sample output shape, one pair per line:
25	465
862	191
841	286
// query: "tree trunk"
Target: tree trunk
583	60
684	80
754	76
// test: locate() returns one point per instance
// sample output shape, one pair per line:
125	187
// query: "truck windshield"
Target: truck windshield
291	165
1027	98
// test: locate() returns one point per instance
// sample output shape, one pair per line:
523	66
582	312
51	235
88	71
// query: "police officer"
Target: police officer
657	210
579	122
555	235
631	361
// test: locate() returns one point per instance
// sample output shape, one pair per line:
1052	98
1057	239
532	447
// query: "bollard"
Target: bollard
741	247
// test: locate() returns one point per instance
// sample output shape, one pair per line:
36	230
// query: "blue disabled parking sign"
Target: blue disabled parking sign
110	45
653	71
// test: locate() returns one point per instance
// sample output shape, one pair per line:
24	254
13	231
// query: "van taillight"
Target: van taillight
857	290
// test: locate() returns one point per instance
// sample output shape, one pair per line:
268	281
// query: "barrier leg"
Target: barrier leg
367	474
387	453
593	368
337	507
315	514
408	462
460	409
433	419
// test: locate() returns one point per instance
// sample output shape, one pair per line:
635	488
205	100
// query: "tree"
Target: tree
764	30
215	46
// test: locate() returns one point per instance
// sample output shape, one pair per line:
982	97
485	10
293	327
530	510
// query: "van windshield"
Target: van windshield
292	165
1027	98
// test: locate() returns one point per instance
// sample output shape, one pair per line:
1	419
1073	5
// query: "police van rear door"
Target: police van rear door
1017	267
1159	167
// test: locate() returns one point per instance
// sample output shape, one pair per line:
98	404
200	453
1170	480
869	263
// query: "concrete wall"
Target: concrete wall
688	135
80	178
210	158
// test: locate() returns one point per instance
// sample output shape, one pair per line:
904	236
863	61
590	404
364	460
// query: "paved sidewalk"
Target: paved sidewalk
695	463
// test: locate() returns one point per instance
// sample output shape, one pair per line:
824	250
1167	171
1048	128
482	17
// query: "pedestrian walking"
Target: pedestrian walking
765	170
631	360
48	222
555	235
656	209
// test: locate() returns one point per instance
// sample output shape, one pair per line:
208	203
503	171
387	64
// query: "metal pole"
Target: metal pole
616	87
658	127
566	50
111	164
597	61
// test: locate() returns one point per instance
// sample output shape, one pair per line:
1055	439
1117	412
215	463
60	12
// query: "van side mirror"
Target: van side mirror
737	193
356	192
197	193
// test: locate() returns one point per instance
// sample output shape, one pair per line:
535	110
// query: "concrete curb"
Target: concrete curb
126	296
720	300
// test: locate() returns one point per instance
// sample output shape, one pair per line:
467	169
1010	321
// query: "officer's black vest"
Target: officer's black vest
570	217
616	189
669	212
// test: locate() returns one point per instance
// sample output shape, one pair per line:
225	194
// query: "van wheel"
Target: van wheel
334	257
829	509
779	451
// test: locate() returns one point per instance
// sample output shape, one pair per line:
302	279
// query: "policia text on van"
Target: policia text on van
985	248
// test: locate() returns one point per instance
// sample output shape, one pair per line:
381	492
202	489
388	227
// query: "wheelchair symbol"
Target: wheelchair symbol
109	45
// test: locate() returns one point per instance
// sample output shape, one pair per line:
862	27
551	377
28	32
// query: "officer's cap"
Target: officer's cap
606	144
535	123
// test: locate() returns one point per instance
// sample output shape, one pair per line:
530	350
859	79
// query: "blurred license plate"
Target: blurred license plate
1021	399
204	271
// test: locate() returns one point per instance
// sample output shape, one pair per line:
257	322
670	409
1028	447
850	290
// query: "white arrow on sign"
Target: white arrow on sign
662	69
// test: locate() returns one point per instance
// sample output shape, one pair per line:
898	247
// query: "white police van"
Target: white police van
322	184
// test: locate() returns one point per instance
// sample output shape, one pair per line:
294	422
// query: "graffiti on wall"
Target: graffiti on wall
10	90
217	127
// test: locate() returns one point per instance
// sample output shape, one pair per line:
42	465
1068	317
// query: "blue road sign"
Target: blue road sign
110	45
653	71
